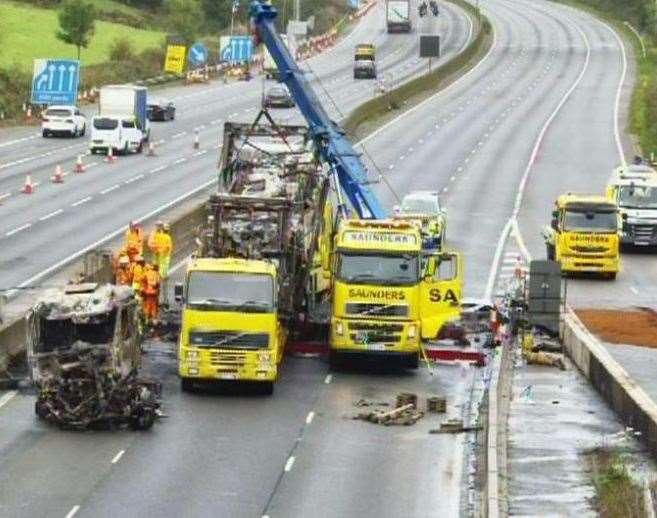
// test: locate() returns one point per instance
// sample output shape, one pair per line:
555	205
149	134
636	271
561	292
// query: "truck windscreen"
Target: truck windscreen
637	197
387	270
581	221
226	291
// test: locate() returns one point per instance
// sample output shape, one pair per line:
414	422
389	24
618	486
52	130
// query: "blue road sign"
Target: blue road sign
238	50
55	81
198	55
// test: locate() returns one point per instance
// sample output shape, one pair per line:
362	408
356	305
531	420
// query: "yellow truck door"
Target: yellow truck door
440	292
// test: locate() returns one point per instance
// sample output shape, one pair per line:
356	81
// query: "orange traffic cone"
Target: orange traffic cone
197	144
59	177
110	155
28	188
151	149
79	166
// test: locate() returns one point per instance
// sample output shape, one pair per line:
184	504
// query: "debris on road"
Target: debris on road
405	412
436	405
366	403
83	354
455	426
534	356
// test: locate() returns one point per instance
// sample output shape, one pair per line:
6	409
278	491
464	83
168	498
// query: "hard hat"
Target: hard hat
123	260
132	224
159	223
167	226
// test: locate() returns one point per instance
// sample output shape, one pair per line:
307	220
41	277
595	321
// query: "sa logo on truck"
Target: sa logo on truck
436	296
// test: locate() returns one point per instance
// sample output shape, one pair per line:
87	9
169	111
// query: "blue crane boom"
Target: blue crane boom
333	144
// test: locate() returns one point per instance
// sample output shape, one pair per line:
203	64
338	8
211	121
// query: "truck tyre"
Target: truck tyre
550	252
45	133
413	361
84	130
144	420
336	361
611	276
125	149
186	385
267	388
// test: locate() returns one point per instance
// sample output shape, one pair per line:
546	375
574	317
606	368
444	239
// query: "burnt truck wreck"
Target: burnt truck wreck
84	356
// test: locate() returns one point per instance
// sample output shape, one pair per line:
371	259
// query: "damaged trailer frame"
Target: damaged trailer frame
84	356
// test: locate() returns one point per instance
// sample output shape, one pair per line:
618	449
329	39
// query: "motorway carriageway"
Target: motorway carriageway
543	97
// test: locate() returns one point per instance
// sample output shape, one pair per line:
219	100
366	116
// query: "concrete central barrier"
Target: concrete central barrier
635	408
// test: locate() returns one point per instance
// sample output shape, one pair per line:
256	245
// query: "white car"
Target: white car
63	120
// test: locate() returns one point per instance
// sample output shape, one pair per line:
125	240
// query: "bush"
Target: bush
121	50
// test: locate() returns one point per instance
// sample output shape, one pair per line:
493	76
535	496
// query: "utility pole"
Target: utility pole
297	10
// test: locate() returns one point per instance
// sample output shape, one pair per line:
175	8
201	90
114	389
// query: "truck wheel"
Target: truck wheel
144	420
45	133
413	361
267	388
550	252
186	385
336	361
611	276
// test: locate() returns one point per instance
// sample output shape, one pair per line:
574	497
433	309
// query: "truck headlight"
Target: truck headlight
411	331
264	357
339	328
192	354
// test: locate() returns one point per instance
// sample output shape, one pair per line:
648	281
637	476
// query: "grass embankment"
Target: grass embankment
617	494
641	14
385	107
29	32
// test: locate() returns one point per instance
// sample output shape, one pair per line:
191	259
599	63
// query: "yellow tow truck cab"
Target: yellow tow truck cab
633	189
389	293
583	235
230	329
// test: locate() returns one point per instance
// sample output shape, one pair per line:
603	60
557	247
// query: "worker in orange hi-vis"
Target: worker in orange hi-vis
138	272
160	244
122	273
151	293
134	241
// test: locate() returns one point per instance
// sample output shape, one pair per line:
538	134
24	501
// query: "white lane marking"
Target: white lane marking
7	397
310	417
134	179
5	195
80	202
73	511
179	161
178	135
118	456
110	189
202	152
328	378
18	229
51	215
157	169
289	463
431	98
37	277
634	290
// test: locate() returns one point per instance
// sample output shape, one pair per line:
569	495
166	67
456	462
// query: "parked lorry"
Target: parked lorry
248	280
583	235
398	15
121	124
388	294
84	356
634	191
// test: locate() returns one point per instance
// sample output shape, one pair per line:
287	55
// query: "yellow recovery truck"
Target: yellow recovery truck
389	293
583	235
248	281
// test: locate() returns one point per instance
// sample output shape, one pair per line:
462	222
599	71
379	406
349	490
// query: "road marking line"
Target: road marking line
310	417
7	397
18	229
178	135
289	463
202	152
110	189
328	378
157	169
179	161
80	202
118	456
5	195
634	290
51	215
73	511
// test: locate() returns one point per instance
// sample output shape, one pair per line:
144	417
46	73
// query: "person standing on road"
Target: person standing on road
151	293
138	272
122	273
160	244
134	241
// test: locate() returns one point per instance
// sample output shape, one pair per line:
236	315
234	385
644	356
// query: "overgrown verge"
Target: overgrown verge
642	15
617	494
387	106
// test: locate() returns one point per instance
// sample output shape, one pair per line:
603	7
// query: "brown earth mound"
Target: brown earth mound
636	327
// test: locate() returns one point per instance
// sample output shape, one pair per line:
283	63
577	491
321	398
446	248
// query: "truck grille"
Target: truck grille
227	360
642	234
589	249
370	332
382	310
229	340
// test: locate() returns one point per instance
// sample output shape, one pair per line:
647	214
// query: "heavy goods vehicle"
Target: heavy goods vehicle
583	235
398	15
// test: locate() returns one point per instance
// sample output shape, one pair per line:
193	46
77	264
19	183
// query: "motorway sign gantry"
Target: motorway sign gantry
198	55
55	81
236	49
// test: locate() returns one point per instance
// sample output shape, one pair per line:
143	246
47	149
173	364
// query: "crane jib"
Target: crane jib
333	145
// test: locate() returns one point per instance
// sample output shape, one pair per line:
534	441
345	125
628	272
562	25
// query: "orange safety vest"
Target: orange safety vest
137	274
134	239
122	276
150	282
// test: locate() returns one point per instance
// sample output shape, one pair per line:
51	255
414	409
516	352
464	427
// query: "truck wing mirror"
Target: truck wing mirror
555	224
555	214
178	293
624	216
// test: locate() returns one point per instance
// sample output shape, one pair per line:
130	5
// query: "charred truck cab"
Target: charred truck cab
387	293
583	235
230	328
84	354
